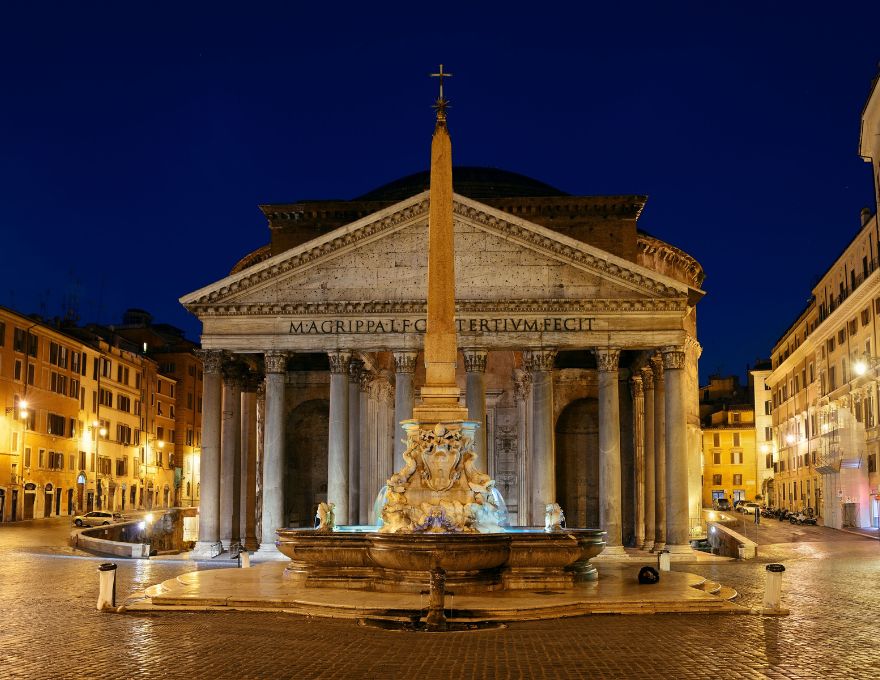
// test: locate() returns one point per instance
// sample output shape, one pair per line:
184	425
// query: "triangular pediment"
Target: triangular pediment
381	261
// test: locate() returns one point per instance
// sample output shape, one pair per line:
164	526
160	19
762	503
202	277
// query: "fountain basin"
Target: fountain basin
471	561
328	559
520	558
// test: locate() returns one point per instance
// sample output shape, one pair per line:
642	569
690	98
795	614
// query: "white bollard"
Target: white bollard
773	588
663	560
106	586
245	558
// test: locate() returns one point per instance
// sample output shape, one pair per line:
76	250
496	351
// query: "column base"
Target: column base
658	547
648	545
679	549
612	551
206	550
269	552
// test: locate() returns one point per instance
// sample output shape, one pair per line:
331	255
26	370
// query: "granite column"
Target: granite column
610	511
638	398
230	456
677	529
650	524
337	446
273	450
659	455
247	531
475	398
209	460
404	368
354	442
543	459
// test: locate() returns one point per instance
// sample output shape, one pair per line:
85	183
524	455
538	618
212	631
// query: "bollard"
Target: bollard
106	586
244	558
773	588
663	560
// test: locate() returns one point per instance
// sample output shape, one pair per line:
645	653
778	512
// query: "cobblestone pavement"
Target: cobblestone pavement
772	531
49	628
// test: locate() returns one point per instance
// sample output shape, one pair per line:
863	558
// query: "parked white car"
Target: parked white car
750	508
97	518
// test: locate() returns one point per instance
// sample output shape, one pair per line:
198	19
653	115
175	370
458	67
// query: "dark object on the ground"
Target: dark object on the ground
702	545
648	576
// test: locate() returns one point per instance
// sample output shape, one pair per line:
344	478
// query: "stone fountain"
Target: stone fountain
440	514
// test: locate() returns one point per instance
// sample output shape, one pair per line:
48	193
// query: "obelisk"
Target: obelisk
440	394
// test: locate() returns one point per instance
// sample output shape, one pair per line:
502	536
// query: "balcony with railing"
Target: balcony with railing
836	300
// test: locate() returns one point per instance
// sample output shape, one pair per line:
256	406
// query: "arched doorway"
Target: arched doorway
577	462
80	491
70	502
305	483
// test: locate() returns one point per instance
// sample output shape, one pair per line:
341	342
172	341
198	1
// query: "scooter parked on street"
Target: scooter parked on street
801	518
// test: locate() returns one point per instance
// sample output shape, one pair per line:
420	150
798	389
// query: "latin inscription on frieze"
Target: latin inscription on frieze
553	324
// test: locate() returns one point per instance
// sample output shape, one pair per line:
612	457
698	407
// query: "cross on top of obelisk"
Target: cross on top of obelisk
442	103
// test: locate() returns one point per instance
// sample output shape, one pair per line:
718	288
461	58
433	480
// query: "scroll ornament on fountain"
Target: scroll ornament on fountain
439	489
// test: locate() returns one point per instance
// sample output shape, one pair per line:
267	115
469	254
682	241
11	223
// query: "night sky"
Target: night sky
136	140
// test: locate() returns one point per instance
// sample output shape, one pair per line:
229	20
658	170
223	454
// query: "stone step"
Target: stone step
727	593
708	586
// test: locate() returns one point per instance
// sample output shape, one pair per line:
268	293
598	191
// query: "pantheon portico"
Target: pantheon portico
579	358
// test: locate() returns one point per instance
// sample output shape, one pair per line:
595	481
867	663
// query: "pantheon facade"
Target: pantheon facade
578	358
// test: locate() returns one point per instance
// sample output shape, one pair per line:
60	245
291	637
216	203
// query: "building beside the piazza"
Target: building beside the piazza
825	375
578	358
730	466
88	423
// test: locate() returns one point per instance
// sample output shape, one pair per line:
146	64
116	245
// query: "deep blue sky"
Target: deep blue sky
136	140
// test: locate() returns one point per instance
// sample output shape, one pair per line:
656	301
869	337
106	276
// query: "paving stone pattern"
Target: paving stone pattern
49	628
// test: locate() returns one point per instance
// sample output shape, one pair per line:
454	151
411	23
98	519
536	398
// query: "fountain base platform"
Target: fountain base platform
265	588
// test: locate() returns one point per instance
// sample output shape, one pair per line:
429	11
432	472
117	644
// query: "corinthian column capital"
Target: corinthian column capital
276	362
673	357
475	360
339	362
355	366
405	362
636	386
539	360
212	360
657	368
607	359
648	378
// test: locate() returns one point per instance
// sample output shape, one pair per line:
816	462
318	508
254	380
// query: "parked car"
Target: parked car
97	518
749	508
737	505
721	504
